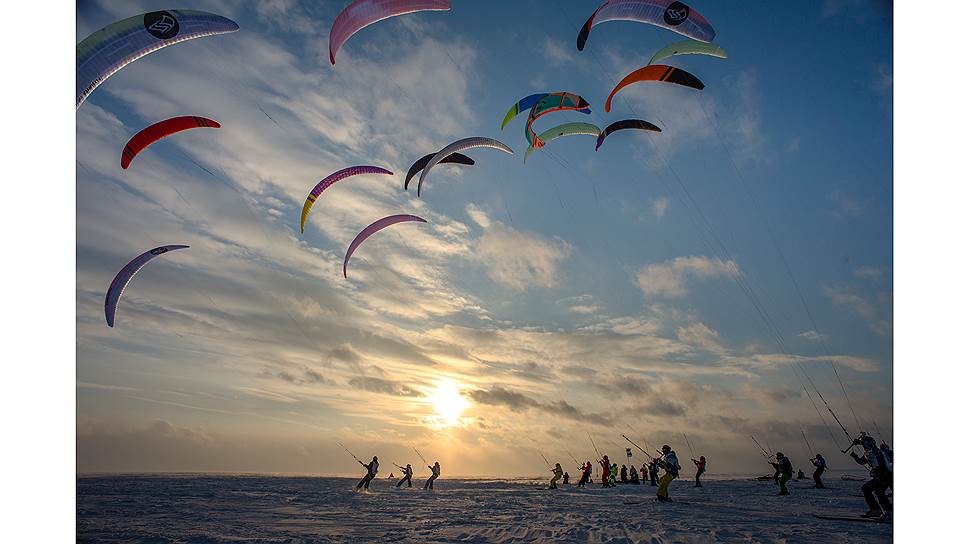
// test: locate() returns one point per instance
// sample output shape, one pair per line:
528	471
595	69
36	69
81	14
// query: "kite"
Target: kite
455	158
159	130
525	103
623	125
688	47
567	129
120	281
461	145
115	46
363	13
331	179
549	104
672	15
372	229
655	72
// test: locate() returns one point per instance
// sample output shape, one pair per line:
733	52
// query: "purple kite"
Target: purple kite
331	179
116	289
375	227
363	13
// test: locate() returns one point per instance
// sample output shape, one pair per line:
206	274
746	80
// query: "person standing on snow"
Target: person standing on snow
633	475
882	477
624	474
700	469
670	463
557	475
785	471
654	473
586	474
606	470
407	475
612	475
434	474
821	465
371	469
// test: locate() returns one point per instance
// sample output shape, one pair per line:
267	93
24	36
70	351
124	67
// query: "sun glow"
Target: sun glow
449	403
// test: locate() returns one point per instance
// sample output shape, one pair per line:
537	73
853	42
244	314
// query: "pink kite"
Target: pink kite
375	227
363	13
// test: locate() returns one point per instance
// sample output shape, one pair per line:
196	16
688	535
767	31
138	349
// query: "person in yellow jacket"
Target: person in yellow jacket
557	474
670	463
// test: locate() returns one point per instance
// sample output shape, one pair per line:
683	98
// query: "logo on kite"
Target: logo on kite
676	14
159	250
161	24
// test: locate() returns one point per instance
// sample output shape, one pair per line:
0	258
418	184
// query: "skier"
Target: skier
670	463
654	473
407	474
821	465
785	471
882	477
434	474
606	470
557	475
586	474
371	469
700	469
624	474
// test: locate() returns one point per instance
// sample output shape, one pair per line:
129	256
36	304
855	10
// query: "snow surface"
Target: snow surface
216	508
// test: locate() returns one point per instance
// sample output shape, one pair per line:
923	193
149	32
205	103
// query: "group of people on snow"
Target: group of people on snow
374	466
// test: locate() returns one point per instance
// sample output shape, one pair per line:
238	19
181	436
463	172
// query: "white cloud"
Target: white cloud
669	278
518	259
868	273
478	216
701	336
812	335
844	298
659	206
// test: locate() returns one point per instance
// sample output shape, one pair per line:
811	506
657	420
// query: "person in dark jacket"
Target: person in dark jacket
371	469
882	477
407	475
821	465
700	469
785	470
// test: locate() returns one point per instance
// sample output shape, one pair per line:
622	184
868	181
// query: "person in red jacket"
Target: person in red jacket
606	470
700	469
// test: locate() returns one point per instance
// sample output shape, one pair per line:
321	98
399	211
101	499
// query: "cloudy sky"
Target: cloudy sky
702	281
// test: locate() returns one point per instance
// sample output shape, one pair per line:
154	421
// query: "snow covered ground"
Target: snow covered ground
206	508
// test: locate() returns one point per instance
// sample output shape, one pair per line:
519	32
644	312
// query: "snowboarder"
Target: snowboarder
670	463
821	465
407	475
434	474
371	469
557	475
700	469
785	471
882	477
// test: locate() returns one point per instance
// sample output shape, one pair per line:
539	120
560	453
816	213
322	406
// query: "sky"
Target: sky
706	280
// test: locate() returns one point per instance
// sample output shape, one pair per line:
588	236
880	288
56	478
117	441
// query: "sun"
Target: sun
449	403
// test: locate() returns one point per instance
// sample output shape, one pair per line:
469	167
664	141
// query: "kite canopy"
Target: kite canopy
372	229
331	179
455	158
525	103
461	145
688	47
669	14
120	281
567	129
655	72
549	104
115	46
624	125
363	13
159	130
